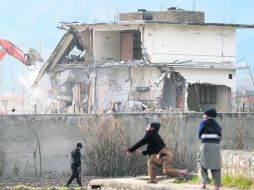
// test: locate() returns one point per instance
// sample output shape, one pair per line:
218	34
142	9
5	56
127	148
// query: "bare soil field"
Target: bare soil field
40	183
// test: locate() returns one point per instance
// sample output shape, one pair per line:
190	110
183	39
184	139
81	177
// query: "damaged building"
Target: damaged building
162	60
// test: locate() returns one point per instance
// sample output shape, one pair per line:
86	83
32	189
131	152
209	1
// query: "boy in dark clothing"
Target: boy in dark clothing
75	165
159	154
209	130
209	133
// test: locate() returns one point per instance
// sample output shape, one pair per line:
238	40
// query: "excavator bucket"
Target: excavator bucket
33	57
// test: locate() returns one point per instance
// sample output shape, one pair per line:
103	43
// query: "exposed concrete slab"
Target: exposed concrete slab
140	183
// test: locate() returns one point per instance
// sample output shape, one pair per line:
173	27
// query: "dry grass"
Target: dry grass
105	151
172	130
106	156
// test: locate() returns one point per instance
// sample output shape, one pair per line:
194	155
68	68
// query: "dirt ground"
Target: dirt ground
39	183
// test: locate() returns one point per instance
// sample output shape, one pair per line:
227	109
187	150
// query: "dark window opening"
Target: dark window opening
207	94
230	76
137	52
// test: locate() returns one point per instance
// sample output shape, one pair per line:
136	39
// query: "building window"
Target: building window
230	76
207	94
4	103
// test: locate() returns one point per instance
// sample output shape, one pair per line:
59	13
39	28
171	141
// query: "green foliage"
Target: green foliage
22	187
227	181
239	182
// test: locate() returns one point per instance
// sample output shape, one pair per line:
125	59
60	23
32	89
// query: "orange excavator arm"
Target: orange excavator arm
27	58
2	54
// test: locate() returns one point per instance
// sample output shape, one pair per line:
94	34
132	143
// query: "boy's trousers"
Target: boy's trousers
162	159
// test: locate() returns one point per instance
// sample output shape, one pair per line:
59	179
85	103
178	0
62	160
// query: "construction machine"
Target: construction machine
28	59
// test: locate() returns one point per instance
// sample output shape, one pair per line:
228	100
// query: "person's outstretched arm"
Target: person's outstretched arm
142	142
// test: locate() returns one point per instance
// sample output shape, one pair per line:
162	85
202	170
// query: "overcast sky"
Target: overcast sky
32	23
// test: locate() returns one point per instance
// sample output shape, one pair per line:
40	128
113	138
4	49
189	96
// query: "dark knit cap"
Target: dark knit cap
79	145
211	112
156	125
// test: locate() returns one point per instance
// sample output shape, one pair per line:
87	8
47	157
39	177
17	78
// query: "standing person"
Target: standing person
75	165
159	154
209	133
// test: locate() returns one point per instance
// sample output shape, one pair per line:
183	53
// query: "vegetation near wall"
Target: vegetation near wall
173	133
44	142
105	154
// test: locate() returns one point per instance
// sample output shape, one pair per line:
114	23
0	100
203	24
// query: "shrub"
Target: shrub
105	154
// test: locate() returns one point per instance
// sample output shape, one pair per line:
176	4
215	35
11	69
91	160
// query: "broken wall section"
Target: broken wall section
204	96
117	46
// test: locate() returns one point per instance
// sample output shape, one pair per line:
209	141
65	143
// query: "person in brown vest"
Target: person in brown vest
159	154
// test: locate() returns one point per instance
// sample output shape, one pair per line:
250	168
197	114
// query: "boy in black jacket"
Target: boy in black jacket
159	154
75	165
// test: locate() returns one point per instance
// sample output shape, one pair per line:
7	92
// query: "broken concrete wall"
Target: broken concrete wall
225	87
113	86
107	46
168	43
87	54
143	84
63	84
169	94
211	76
193	98
223	99
58	134
126	85
85	37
